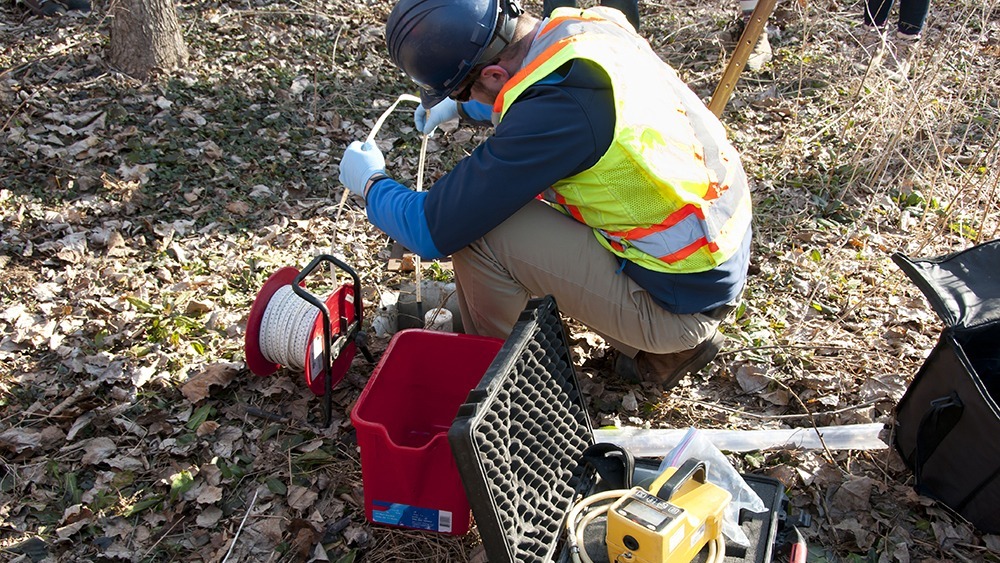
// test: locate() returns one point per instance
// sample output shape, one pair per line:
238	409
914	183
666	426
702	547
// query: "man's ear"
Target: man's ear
496	75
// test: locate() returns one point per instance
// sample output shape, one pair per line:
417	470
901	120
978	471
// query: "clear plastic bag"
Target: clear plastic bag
720	473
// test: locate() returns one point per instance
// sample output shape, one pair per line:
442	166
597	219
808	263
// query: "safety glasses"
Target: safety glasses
464	90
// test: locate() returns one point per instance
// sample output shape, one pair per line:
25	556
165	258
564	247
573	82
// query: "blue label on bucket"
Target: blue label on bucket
411	516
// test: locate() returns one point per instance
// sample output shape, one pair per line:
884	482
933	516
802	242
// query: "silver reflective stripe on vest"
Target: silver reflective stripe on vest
687	231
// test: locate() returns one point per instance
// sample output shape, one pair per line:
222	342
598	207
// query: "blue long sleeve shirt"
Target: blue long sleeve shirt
557	128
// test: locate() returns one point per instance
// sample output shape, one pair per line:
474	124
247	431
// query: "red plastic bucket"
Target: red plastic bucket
402	419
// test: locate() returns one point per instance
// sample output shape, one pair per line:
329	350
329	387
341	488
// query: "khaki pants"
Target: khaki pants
539	251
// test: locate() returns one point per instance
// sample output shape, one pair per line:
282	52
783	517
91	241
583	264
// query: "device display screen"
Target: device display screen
644	514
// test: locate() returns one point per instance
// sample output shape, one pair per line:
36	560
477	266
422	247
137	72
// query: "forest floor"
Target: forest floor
138	220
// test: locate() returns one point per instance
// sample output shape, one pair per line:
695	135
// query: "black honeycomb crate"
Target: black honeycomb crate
517	440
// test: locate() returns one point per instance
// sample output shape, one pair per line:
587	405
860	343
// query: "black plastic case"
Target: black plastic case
518	442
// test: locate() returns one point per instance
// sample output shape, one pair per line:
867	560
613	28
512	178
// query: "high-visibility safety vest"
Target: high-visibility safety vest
670	193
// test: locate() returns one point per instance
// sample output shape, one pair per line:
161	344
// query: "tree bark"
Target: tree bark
145	37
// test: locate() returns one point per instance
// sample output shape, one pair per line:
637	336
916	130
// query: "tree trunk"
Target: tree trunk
145	37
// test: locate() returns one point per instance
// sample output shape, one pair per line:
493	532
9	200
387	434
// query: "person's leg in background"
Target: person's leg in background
55	7
877	12
628	7
762	49
873	37
898	48
549	5
912	14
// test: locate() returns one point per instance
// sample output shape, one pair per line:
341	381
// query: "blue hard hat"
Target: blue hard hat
438	42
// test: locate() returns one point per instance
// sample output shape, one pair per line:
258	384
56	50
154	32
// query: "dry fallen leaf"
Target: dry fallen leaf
301	498
750	379
209	517
900	552
98	450
198	307
126	463
271	528
854	494
357	536
209	495
629	402
68	530
76	513
861	528
18	440
206	428
238	208
198	387
226	440
302	543
778	397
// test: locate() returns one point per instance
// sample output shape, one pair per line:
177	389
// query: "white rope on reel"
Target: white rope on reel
286	327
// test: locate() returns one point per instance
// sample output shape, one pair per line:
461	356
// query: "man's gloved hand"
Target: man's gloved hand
361	161
446	110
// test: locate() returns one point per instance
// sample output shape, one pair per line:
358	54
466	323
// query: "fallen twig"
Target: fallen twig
812	420
260	413
778	416
253	501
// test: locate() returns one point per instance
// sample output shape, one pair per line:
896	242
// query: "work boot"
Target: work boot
761	54
873	40
899	60
667	370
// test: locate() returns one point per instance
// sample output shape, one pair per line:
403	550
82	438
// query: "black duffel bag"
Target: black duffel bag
948	423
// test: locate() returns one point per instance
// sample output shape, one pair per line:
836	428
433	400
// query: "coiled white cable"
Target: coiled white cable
285	328
574	530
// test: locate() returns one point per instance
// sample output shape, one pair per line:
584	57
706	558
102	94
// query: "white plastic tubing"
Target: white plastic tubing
645	442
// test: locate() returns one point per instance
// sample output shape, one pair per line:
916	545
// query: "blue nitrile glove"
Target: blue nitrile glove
446	110
361	161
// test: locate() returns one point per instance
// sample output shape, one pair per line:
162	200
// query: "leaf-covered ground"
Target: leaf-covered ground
138	221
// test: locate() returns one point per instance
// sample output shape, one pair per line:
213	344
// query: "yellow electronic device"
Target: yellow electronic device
672	522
